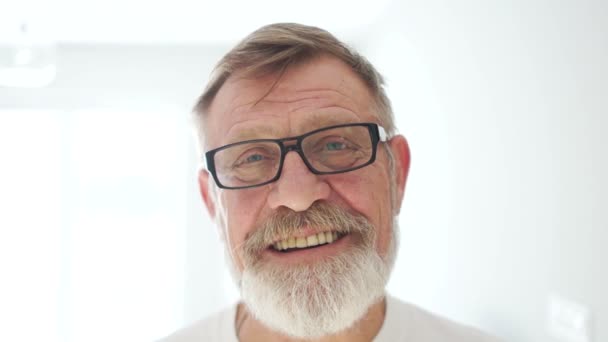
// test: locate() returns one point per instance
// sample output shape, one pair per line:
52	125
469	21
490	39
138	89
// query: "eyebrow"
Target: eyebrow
318	121
254	132
310	123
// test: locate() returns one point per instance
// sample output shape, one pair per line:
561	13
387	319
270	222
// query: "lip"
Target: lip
305	256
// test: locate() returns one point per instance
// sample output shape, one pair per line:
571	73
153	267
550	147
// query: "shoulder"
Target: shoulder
405	321
217	327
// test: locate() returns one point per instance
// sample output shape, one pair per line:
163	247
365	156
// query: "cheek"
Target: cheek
368	193
242	211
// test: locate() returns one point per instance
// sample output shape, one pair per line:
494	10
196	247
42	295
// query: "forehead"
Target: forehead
320	92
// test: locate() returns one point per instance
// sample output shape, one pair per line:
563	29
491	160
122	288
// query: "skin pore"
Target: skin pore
318	93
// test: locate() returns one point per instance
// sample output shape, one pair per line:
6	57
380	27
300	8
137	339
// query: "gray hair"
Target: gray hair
271	49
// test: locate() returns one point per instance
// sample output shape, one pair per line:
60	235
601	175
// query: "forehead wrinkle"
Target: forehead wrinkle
312	100
307	94
294	104
325	113
315	100
319	107
250	131
319	120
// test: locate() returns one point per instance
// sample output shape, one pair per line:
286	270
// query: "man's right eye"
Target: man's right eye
252	158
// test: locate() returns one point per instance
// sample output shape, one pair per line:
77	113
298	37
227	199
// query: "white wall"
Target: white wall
101	226
505	107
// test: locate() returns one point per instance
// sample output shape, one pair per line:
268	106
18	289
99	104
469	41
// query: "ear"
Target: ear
208	198
401	153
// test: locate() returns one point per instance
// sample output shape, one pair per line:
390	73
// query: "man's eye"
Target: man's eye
254	158
335	146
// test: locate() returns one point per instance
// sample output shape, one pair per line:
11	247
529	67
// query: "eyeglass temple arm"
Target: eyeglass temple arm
382	133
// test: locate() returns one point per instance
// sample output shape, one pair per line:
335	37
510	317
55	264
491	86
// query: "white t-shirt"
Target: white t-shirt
403	323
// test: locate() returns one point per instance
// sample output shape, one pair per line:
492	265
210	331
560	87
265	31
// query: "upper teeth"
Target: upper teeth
309	241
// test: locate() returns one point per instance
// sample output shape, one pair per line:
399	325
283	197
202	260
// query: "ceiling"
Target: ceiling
176	21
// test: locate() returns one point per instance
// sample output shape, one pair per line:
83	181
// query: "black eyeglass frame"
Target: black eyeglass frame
376	132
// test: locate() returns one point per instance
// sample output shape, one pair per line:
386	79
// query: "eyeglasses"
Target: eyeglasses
328	150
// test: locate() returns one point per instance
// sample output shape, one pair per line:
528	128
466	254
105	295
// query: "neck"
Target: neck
249	329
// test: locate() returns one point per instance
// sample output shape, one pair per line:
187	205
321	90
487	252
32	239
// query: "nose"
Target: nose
297	188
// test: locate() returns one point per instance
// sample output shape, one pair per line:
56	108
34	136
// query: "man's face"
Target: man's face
319	93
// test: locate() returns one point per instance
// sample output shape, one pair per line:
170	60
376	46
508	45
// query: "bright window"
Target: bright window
92	225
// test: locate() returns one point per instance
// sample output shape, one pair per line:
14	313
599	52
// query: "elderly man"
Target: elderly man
305	176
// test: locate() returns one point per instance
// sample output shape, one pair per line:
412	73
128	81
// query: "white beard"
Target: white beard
325	298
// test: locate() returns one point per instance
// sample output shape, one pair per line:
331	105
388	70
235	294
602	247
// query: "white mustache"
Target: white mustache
284	223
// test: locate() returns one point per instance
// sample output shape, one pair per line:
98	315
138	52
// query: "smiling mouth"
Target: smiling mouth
311	241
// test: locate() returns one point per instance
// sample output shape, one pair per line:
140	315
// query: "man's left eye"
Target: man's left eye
335	146
254	157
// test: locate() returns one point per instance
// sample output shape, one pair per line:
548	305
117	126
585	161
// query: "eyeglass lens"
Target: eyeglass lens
326	151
